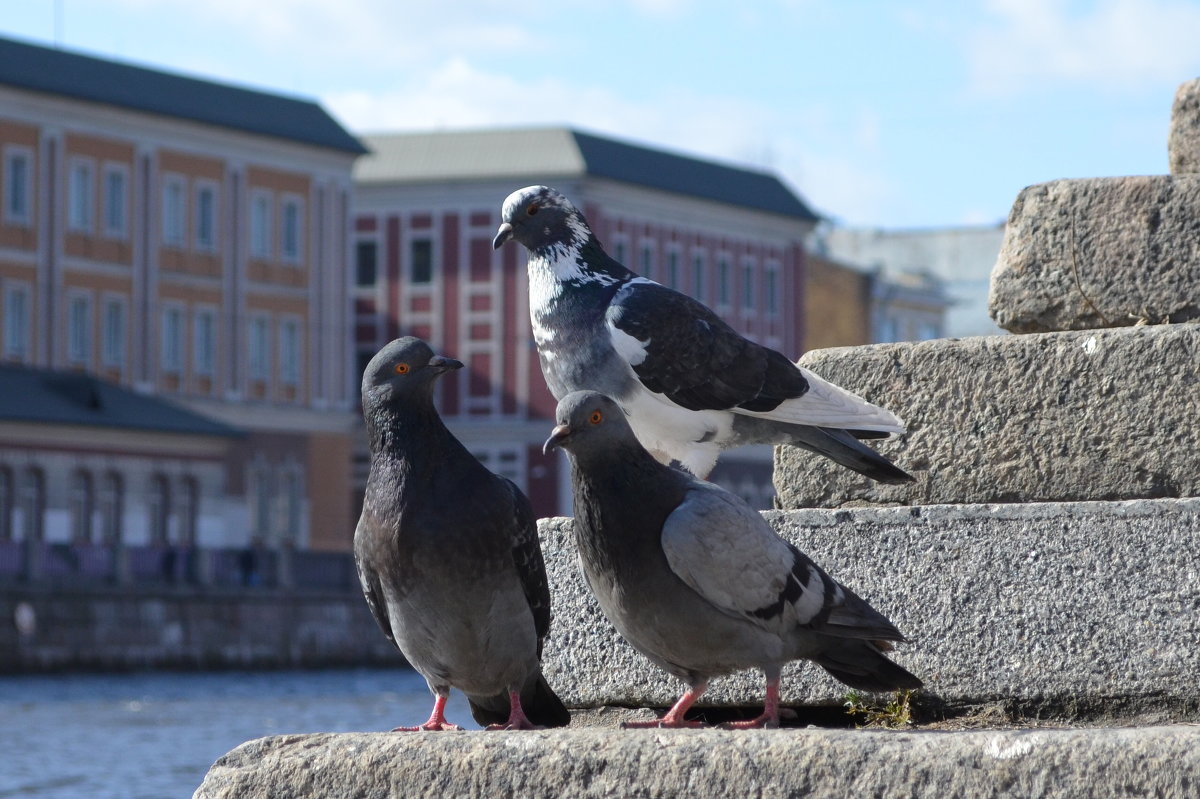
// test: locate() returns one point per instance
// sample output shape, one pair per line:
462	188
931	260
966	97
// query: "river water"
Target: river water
154	735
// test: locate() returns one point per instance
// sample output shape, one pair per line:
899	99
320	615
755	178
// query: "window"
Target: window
80	197
188	510
79	329
772	289
698	277
116	201
422	260
673	269
260	225
292	498
206	218
291	233
33	503
82	505
113	351
647	264
16	322
723	282
6	504
17	202
366	254
204	343
619	252
262	494
159	509
172	339
112	505
173	211
260	355
748	286
289	351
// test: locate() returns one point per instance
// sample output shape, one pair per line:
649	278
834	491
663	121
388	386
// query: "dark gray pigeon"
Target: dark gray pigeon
691	384
448	553
697	581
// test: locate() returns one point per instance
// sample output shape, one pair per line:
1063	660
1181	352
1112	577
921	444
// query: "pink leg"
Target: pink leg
770	715
517	720
674	719
437	720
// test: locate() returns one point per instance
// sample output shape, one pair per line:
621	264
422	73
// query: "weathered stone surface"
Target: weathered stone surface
1150	761
1092	606
1085	415
1100	252
1183	142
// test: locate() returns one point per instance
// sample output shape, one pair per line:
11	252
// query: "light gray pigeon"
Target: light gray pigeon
691	384
697	581
448	553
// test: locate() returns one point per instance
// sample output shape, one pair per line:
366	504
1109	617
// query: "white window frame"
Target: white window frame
171	339
79	328
174	210
81	195
17	321
112	344
674	269
258	340
206	243
261	203
204	342
18	216
289	350
291	242
121	229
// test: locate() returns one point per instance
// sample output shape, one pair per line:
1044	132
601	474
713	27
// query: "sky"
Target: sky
925	113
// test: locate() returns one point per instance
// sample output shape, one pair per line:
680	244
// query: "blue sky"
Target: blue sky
884	114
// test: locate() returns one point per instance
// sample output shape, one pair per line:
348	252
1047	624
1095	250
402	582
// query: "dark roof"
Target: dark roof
49	397
660	169
43	69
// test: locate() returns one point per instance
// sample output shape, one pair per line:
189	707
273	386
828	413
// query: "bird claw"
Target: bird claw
430	726
663	724
519	725
760	723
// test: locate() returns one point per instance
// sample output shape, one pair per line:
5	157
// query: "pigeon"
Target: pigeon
697	581
691	384
448	553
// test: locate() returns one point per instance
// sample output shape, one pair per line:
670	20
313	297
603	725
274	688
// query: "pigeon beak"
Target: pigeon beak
440	363
557	436
502	235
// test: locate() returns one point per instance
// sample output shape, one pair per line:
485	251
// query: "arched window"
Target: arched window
158	507
33	504
7	509
188	509
293	499
112	507
261	495
82	506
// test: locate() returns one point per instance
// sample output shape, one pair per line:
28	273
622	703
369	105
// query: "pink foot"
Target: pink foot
674	719
517	720
437	720
769	719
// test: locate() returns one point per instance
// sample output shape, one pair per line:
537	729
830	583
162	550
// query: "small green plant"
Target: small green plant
896	714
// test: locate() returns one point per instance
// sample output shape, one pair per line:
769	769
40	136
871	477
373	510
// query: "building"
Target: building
177	238
427	206
837	304
959	258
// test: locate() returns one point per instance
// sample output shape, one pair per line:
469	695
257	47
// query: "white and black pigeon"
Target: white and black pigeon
697	581
448	553
691	384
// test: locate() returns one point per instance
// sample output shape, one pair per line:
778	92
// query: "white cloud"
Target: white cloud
1107	44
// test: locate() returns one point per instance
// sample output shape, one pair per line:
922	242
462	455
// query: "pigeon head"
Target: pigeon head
403	368
541	219
588	421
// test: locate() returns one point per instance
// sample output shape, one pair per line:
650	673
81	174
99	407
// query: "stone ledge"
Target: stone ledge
1099	252
1072	606
1149	761
1183	142
1084	415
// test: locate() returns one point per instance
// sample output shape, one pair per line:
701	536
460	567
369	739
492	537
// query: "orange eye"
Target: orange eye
532	209
401	368
596	417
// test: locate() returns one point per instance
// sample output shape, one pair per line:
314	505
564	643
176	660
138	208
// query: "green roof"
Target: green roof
46	396
97	80
547	153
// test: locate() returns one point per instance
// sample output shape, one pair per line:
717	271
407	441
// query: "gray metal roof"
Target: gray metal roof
43	69
524	153
46	396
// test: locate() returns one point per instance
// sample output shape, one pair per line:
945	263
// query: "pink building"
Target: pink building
427	207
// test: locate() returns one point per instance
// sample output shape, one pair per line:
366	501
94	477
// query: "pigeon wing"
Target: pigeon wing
728	554
680	348
373	591
527	557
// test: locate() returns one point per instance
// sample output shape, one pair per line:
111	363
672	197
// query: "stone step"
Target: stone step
1098	763
1058	604
1099	252
1083	415
1183	142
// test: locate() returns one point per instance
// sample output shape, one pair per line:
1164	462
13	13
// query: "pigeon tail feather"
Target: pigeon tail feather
862	666
844	448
